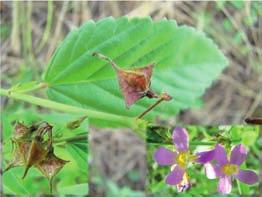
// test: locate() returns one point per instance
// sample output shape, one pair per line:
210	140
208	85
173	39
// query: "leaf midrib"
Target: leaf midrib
64	72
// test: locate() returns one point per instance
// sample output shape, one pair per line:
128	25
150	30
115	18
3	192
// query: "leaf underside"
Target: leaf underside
186	64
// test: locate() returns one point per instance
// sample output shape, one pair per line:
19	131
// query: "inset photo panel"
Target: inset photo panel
196	160
44	154
117	163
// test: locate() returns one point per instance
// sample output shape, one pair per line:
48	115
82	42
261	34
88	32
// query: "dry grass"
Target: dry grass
114	154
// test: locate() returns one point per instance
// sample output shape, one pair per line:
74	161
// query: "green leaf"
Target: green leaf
13	184
79	153
80	189
238	4
248	134
186	64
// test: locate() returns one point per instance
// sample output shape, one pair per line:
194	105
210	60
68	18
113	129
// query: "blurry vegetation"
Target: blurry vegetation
117	163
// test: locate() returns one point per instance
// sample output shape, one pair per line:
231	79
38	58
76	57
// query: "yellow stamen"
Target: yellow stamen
184	158
229	169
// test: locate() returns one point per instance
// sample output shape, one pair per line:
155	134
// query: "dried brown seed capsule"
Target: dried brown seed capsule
21	131
134	83
20	154
20	143
50	166
36	154
31	149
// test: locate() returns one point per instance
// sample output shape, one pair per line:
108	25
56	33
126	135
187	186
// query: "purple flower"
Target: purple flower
178	160
206	156
225	169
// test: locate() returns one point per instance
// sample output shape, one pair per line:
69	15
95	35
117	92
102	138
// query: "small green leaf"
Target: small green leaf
10	179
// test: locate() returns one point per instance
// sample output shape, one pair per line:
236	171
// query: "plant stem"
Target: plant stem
130	122
162	97
210	143
239	187
71	139
38	86
150	108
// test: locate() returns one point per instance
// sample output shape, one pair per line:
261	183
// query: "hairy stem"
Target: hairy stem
130	122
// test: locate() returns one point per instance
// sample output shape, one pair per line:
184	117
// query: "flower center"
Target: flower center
230	169
184	158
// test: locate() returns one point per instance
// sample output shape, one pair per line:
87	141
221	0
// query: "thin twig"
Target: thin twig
107	59
254	120
163	97
150	108
48	26
58	30
15	40
255	104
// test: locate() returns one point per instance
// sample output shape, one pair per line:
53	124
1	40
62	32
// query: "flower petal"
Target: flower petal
206	156
247	176
180	138
221	156
212	171
238	154
224	185
164	156
175	176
